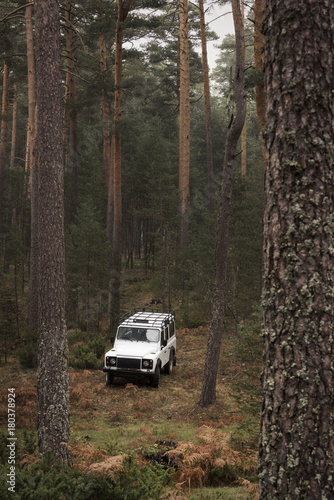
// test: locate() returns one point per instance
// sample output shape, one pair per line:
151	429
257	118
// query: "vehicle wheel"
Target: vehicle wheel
156	377
109	378
170	364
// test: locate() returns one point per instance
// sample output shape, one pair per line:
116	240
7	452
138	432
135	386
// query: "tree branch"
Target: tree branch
8	16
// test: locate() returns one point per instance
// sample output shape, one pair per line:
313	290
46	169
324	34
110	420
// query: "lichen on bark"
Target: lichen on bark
297	447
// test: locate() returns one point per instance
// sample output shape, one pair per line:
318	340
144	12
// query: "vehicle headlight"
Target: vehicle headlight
147	363
110	361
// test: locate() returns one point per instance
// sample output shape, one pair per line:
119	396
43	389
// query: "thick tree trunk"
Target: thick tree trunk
52	373
184	141
117	178
297	430
209	152
208	393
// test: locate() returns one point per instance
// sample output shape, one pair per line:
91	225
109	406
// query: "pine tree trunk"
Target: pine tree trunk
105	108
209	152
4	133
14	127
117	180
31	133
244	128
208	393
297	430
244	150
12	210
52	372
110	203
31	168
184	142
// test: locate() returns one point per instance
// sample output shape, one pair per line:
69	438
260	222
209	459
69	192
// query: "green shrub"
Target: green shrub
3	448
86	356
249	347
28	353
46	480
97	346
82	357
191	320
74	336
29	442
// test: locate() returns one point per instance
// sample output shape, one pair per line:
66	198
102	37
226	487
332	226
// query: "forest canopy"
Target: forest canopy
150	226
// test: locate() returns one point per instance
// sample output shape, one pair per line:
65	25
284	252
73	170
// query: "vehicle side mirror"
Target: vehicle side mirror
112	340
164	343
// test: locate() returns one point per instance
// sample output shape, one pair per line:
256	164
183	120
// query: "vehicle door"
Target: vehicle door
164	346
171	336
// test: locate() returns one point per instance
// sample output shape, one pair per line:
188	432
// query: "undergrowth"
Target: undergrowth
213	449
165	470
118	478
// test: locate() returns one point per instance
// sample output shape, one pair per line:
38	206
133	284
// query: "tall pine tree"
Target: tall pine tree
52	373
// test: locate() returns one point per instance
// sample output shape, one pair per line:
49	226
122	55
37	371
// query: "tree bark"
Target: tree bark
117	178
209	152
31	168
14	126
208	392
105	108
244	128
244	150
297	431
52	372
4	132
31	132
184	141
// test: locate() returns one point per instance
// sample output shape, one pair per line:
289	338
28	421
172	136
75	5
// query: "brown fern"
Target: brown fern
251	488
109	467
214	450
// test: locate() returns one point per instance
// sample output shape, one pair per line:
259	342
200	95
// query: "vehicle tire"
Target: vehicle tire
156	377
109	378
170	364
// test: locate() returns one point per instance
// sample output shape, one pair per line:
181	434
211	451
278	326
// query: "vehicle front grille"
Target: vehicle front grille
129	363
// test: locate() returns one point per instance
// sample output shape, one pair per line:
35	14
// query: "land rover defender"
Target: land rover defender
145	344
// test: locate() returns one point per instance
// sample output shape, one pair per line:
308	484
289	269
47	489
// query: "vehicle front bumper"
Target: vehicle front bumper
123	372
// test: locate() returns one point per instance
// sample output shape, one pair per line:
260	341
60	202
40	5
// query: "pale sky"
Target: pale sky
219	19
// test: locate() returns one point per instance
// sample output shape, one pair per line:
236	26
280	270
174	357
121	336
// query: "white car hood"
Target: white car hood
133	349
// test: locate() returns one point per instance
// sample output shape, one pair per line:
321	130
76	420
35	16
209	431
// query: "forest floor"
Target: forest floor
164	424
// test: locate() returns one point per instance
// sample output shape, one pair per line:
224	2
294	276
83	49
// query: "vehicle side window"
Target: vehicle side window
171	329
164	334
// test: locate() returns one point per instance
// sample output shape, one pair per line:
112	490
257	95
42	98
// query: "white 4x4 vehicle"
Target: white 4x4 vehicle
145	344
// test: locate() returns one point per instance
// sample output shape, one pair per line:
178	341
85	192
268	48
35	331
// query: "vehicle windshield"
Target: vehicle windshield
137	334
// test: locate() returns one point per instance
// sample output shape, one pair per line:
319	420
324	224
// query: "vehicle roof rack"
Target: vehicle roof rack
148	316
